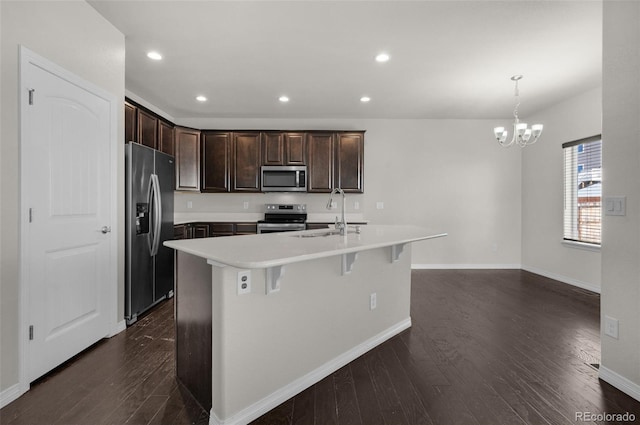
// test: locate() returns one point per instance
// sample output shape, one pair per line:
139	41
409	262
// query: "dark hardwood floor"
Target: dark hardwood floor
486	347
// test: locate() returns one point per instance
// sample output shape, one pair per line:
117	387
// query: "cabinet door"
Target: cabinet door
247	162
187	152
147	129
179	231
272	148
201	230
320	162
166	138
130	115
246	229
222	229
216	159
295	149
349	162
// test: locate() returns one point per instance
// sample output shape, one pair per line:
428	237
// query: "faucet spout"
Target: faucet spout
342	224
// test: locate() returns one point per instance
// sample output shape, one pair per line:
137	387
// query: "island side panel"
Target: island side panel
193	313
273	346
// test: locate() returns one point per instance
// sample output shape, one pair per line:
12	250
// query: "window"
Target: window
583	190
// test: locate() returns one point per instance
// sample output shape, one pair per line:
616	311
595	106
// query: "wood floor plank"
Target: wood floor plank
304	408
388	399
347	408
365	393
326	402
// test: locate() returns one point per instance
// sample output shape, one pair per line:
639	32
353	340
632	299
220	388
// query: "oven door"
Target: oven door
280	227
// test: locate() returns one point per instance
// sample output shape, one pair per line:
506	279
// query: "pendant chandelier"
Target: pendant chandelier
522	135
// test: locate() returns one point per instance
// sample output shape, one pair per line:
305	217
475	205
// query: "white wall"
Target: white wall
447	175
543	197
621	174
73	35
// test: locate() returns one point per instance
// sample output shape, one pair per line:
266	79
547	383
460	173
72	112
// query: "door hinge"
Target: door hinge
31	91
30	215
31	333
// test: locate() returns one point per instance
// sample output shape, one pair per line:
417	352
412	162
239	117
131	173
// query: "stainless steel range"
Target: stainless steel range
283	218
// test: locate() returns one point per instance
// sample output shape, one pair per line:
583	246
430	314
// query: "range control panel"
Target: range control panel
285	208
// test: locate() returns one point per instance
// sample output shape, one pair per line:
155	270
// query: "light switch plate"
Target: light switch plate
611	327
615	205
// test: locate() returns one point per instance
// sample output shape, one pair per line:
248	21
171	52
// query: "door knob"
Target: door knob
106	229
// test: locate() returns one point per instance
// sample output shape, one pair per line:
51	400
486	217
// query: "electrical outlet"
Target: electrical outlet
380	205
611	327
373	301
356	205
189	204
244	282
245	205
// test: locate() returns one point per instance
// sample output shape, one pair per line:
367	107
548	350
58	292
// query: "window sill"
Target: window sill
581	245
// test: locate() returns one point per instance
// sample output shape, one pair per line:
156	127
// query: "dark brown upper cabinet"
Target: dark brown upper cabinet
335	160
246	162
130	123
273	148
147	129
320	161
216	161
283	148
166	138
187	153
349	162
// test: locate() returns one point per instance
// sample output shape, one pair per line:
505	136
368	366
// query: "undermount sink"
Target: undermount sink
322	233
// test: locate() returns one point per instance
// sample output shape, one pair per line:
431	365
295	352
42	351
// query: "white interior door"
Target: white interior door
67	178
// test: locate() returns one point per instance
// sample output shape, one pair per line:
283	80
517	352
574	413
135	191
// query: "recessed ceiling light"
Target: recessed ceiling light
365	99
382	57
283	99
154	55
201	98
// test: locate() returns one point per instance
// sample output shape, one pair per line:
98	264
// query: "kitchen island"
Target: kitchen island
260	318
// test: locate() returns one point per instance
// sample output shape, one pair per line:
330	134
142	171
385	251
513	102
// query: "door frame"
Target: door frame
27	57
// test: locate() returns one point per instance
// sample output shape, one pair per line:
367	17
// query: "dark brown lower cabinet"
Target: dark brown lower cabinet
222	229
213	229
246	229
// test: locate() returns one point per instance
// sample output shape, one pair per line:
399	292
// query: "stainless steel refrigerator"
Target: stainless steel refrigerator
148	223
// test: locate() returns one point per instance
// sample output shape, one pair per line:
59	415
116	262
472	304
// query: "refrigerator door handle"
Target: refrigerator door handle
157	214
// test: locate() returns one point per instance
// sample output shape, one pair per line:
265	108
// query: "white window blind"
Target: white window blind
583	190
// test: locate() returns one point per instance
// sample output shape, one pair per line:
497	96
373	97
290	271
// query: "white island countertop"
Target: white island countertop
276	249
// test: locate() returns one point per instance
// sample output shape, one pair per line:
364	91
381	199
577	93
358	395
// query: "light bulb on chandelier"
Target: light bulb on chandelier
522	135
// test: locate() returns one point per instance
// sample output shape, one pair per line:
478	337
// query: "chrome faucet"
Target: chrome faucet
340	225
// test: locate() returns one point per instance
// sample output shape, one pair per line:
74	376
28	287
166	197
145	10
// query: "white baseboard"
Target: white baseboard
620	382
117	328
564	279
464	266
276	398
10	394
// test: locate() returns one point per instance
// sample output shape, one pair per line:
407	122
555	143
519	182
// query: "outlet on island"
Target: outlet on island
244	282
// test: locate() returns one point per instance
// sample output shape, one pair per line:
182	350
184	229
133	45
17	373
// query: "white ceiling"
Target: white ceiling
449	59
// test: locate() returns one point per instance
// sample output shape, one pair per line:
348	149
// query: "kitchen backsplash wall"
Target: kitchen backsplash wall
186	202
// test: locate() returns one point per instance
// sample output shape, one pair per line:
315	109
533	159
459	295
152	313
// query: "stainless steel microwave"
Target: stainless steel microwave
284	178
